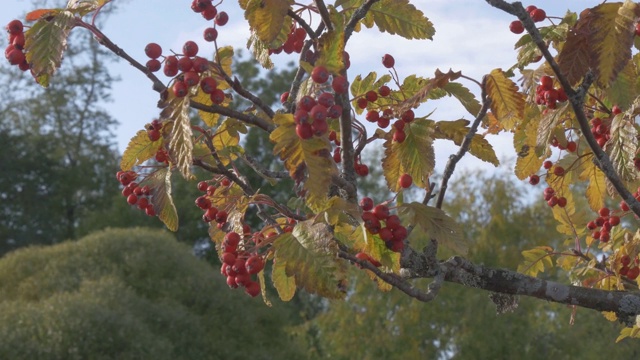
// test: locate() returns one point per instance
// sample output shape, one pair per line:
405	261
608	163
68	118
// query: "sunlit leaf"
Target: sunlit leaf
464	95
225	138
45	43
414	156
457	130
524	142
284	284
267	17
181	137
507	103
597	188
139	150
402	18
159	182
622	147
360	86
536	260
548	123
41	13
440	80
437	225
331	45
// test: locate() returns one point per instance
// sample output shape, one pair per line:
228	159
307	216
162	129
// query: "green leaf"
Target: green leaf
466	97
456	132
360	86
45	43
507	103
438	81
226	137
306	160
535	260
414	156
309	255
402	18
139	150
331	45
524	142
159	182
284	284
436	224
83	7
181	137
623	146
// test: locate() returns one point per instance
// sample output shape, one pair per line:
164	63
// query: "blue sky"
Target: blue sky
471	36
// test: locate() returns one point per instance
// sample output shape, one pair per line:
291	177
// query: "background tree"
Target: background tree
130	294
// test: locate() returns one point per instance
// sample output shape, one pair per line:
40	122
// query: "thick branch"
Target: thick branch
576	98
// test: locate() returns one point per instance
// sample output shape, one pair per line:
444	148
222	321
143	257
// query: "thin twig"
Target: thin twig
253	163
464	147
358	15
324	14
302	24
225	111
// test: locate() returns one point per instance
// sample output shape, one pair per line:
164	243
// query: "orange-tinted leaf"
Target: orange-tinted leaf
507	103
439	81
40	13
159	182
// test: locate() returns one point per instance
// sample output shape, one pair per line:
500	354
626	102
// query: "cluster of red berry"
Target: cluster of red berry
137	195
153	130
13	52
601	130
294	43
209	11
628	270
547	95
393	233
238	265
552	199
536	14
312	113
211	213
606	221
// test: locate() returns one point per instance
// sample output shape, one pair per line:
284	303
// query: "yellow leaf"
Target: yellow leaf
181	137
610	315
285	285
306	160
456	132
611	44
507	104
139	150
548	124
623	146
263	288
331	45
159	182
597	188
524	142
225	138
439	80
402	18
464	95
535	260
267	17
414	156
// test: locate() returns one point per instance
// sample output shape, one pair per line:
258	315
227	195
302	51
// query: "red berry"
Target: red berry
284	97
399	136
591	225
530	8
562	201
232	238
320	74
547	164
153	50
200	64
633	273
185	64
637	32
405	181
217	96
393	222
553	201
362	169
190	48
538	15
254	264
307	103
624	206
222	18
572	146
132	199
154	65
625	260
231	281
384	91
191	78
340	85
252	289
225	182
534	179
154	134
209	12
203	202
180	89
304	131
15	27
558	171
388	61
208	85
546	82
615	110
516	27
372	116
210	34
16	57
614	220
221	217
381	212
362	103
604	212
202	186
326	99
408	116
400	233
371	96
366	203
150	211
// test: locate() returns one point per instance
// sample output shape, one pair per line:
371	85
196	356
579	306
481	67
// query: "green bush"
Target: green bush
130	294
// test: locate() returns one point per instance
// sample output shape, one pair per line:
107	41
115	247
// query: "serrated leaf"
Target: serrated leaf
622	147
401	18
611	44
306	160
507	103
437	224
285	285
225	138
457	130
359	239
306	256
528	50
267	17
181	137
139	150
45	43
339	210
575	57
597	188
331	45
360	86
625	88
414	156
437	82
464	95
548	123
159	182
535	260
524	142
224	59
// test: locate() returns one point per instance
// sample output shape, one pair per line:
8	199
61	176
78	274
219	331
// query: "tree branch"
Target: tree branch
225	111
302	24
576	98
464	147
358	15
324	14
